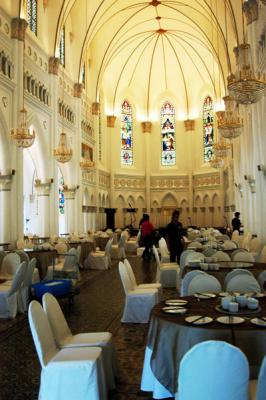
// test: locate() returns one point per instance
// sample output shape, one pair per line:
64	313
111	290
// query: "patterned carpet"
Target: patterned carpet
98	307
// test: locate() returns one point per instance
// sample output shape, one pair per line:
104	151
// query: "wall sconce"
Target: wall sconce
240	188
262	168
251	182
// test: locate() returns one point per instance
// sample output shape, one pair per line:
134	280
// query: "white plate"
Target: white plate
257	295
259	321
198	320
205	295
174	310
230	320
176	302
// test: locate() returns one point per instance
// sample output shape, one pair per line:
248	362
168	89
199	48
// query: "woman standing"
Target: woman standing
146	236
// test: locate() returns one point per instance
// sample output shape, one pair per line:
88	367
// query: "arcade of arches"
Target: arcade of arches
105	73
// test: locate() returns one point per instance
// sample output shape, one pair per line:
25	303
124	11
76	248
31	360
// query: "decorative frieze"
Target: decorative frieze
104	180
89	209
6	65
169	182
87	128
88	177
206	180
43	188
251	9
18	28
65	111
126	182
36	88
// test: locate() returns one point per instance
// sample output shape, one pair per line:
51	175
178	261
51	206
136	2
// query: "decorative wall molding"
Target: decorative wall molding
65	111
104	180
169	182
36	88
18	28
6	65
88	178
206	180
129	182
87	128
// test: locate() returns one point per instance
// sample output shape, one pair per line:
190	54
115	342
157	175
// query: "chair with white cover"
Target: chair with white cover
244	256
187	279
2	256
183	257
235	235
257	387
235	272
100	259
9	293
20	244
65	339
244	284
68	266
204	283
118	250
255	246
26	284
9	266
195	244
67	374
262	279
222	256
262	256
144	286
164	252
167	273
229	245
239	240
213	370
209	251
138	302
195	256
246	241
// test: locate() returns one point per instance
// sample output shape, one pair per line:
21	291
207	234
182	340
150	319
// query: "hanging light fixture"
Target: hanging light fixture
216	162
245	86
62	153
230	124
22	135
221	149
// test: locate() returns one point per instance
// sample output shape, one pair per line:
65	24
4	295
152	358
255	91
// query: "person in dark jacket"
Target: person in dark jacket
236	223
174	237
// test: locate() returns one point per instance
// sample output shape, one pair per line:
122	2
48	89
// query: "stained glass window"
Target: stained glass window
208	128
32	15
61	199
62	47
126	134
168	153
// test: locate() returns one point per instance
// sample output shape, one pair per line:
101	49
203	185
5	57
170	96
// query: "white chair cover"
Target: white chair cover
144	286
262	256
118	250
229	245
243	256
243	284
258	392
20	244
254	247
187	279
67	374
64	338
246	241
261	279
10	265
164	252
167	273
213	370
209	251
195	244
222	256
235	272
26	284
235	235
138	303
204	283
100	259
8	293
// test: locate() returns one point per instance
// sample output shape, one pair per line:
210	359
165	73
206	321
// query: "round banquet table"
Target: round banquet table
44	258
227	266
170	337
86	249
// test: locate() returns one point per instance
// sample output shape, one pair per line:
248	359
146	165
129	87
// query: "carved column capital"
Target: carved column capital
78	89
146	126
54	65
95	108
251	9
189	125
110	121
18	28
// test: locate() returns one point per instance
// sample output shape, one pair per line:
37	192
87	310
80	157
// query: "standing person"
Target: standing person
236	223
146	236
174	237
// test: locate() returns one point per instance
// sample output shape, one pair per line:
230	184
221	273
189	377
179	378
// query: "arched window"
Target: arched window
62	47
208	128
126	134
32	15
61	196
168	152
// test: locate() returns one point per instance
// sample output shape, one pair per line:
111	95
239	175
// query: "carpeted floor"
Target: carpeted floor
98	307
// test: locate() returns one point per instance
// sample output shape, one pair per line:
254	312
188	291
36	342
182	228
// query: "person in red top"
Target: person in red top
146	236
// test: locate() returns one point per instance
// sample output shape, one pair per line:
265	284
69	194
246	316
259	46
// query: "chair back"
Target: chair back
130	273
246	241
209	252
260	395
235	272
156	255
195	244
243	256
10	264
183	257
70	259
126	282
262	279
56	318
235	235
122	241
2	256
194	257
78	253
23	256
262	256
204	283
222	256
213	370
187	279
20	244
244	284
229	245
18	278
29	272
61	247
108	247
41	332
163	247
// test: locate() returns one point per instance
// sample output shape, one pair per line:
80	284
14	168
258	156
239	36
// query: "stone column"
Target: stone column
110	131
54	211
70	194
146	130
79	221
43	192
95	113
18	29
5	215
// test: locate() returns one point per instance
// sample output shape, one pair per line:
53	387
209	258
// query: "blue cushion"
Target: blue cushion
57	287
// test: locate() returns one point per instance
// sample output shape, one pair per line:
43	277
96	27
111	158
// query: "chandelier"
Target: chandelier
230	124
62	153
221	148
246	87
216	162
23	136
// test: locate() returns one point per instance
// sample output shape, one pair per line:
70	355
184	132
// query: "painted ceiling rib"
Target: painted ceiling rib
149	80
